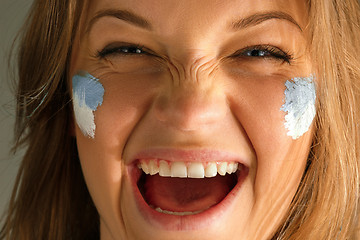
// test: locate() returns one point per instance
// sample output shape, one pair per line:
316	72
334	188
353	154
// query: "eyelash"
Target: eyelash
265	51
256	51
122	50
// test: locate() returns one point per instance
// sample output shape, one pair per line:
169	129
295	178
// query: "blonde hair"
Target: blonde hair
50	199
326	205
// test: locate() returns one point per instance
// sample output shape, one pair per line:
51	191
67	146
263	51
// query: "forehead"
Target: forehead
178	16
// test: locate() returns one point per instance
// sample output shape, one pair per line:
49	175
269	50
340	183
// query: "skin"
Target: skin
197	96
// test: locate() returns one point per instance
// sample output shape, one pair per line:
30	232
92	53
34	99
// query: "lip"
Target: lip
187	222
190	155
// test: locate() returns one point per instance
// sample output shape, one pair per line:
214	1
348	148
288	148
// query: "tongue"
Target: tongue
187	194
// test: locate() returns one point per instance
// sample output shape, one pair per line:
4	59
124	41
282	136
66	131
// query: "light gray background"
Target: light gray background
12	16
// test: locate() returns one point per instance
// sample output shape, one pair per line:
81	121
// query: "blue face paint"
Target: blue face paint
88	94
89	89
299	106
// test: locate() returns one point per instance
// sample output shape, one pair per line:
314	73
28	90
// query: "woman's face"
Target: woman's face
183	132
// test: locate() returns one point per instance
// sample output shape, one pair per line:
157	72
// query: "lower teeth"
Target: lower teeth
177	213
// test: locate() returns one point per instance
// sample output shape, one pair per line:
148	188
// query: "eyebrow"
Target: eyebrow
124	15
141	22
258	18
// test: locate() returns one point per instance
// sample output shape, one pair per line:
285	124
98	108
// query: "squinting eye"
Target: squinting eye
121	50
130	50
265	52
256	53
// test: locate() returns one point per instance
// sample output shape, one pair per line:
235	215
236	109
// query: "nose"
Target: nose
192	106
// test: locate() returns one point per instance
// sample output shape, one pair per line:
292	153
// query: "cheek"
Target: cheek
263	108
282	164
126	101
127	97
88	94
123	106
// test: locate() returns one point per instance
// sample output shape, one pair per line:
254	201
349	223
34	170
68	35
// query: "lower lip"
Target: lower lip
187	222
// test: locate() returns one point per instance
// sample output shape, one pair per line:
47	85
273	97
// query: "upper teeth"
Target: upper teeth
187	169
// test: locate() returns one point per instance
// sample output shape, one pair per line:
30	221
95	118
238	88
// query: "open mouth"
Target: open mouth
187	188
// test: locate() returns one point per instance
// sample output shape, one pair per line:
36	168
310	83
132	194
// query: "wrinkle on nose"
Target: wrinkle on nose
192	66
190	107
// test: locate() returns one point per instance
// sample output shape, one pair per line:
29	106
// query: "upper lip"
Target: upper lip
189	155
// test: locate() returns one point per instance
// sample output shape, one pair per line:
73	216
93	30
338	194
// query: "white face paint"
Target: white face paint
299	105
88	94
